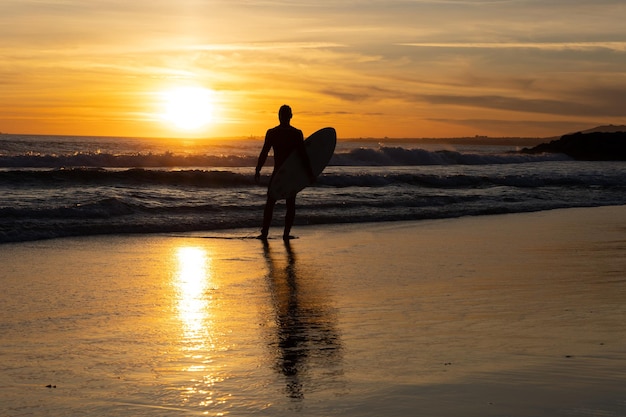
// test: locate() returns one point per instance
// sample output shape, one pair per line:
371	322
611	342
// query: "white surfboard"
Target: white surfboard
292	177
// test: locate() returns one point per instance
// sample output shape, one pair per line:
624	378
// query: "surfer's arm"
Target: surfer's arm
262	158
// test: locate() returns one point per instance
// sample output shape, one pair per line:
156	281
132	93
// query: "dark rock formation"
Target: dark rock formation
595	146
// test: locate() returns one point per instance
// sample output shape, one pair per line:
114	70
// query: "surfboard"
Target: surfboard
292	177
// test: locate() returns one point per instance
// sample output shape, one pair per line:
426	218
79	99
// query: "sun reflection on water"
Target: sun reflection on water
192	281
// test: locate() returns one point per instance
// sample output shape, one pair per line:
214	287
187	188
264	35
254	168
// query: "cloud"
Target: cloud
571	97
524	105
263	46
550	46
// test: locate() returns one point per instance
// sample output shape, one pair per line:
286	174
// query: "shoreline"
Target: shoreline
305	228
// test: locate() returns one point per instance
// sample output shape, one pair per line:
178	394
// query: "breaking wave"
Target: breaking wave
382	156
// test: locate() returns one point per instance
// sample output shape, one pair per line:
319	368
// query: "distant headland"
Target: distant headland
603	143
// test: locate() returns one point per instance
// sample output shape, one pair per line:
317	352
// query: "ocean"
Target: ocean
59	186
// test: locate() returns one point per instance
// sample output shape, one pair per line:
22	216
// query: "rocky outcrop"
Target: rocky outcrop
595	146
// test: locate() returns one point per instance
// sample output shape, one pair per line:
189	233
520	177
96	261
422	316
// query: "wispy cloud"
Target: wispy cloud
582	107
263	46
550	46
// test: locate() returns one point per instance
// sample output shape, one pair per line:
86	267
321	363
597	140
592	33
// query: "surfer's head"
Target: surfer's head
284	114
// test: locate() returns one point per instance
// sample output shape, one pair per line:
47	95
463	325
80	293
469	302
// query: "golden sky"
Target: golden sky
395	68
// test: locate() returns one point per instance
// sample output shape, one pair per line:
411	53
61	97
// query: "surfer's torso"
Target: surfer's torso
284	140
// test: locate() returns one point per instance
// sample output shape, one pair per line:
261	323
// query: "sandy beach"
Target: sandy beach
507	315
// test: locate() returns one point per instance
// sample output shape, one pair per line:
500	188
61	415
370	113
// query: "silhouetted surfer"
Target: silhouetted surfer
284	139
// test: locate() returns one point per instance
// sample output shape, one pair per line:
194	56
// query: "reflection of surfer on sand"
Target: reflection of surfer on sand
306	341
284	139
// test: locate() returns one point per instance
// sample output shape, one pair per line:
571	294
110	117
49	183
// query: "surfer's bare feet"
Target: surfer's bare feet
262	236
288	237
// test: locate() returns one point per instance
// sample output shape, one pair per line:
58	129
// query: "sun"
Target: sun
188	108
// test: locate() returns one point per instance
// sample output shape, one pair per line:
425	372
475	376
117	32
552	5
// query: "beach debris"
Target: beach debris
51	386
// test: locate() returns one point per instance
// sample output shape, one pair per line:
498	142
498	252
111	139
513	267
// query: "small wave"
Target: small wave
104	208
398	156
134	176
460	180
216	179
382	156
138	160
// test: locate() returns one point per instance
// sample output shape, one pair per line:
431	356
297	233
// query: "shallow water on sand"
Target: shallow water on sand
344	321
193	327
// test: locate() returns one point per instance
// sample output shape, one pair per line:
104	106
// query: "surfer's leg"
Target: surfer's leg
290	216
268	212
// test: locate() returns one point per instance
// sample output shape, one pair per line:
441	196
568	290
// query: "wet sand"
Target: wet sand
512	315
